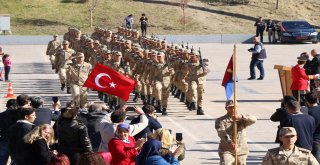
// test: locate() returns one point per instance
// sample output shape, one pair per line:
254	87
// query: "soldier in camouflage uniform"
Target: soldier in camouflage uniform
114	101
161	80
224	127
288	153
78	73
52	48
196	82
62	59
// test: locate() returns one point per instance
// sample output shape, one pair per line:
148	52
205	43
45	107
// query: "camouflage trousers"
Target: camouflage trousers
79	95
195	93
228	159
162	92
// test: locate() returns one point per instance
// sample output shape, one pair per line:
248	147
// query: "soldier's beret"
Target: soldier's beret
117	53
230	103
65	42
79	55
160	54
287	131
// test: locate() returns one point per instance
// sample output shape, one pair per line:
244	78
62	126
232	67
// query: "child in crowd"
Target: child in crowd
7	66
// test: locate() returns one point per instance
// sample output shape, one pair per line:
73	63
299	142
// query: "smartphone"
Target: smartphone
179	136
55	99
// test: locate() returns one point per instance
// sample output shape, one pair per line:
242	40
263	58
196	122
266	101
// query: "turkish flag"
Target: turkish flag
106	79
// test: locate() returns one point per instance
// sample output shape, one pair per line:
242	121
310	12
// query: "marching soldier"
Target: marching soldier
288	153
78	73
137	72
52	48
62	59
224	127
117	66
161	81
196	82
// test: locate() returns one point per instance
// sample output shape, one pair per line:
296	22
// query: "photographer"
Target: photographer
258	55
153	123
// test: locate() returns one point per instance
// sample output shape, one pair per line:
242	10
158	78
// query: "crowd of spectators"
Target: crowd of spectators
33	135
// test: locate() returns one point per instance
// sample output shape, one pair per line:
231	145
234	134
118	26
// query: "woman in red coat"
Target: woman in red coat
123	147
300	79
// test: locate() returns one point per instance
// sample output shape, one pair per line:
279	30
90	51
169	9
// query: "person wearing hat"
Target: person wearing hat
224	127
300	79
161	80
288	153
52	48
258	55
123	147
117	65
196	83
78	73
61	62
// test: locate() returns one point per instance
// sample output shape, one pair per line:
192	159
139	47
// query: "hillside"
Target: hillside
39	17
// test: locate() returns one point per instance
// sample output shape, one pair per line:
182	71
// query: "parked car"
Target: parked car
296	31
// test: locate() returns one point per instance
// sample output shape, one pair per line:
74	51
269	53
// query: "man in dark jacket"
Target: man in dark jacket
44	115
314	67
314	111
260	26
7	119
258	55
92	120
304	125
72	135
16	133
153	123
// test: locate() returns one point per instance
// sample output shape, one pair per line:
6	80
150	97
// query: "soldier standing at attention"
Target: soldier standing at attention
78	73
196	82
224	127
62	59
52	48
260	27
144	24
288	153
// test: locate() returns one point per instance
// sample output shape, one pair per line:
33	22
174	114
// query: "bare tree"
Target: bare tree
92	5
184	5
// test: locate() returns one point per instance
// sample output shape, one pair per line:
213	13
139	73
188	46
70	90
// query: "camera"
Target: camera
251	49
179	137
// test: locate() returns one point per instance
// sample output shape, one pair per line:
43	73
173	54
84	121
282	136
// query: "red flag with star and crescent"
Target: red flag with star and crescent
106	79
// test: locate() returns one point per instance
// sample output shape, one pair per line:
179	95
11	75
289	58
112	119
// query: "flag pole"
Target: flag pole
235	135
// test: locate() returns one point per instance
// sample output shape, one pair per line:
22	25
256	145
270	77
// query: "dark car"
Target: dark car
296	31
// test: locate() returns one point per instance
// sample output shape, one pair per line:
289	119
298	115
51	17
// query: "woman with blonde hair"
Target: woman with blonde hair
37	145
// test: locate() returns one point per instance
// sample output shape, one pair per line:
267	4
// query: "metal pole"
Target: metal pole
277	7
235	131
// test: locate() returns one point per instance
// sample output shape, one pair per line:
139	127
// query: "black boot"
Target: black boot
200	111
159	107
149	100
111	105
187	103
153	102
174	91
177	95
106	98
192	106
68	90
63	86
144	99
135	99
183	97
164	111
100	95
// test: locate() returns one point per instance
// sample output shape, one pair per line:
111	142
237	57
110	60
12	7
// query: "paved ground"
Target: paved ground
31	74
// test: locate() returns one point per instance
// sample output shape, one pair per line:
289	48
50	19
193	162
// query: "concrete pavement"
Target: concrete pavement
32	74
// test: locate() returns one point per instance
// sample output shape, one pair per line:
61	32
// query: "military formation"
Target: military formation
159	68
